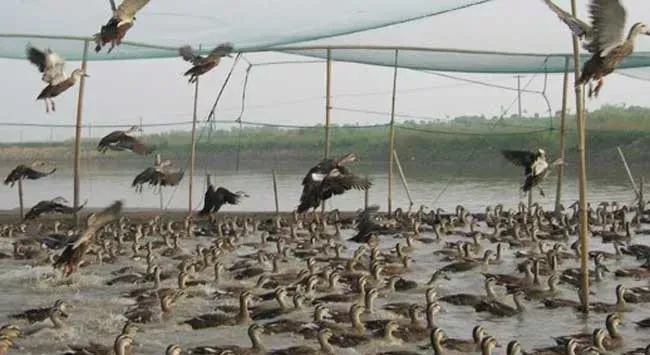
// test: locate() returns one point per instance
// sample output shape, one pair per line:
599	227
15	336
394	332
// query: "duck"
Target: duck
326	348
145	312
501	309
467	299
254	331
619	306
40	314
218	319
468	264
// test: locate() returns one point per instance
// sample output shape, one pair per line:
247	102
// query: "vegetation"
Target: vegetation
471	139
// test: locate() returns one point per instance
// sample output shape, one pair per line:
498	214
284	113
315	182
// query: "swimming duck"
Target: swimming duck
40	314
254	331
326	348
501	309
218	319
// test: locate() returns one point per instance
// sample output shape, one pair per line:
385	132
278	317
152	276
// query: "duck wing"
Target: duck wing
608	20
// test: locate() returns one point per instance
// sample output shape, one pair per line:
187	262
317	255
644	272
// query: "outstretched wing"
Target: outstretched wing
227	196
608	19
128	8
338	184
50	64
99	220
134	145
172	178
189	55
35	175
221	50
521	158
577	26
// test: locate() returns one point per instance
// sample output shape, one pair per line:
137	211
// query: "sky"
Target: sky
123	92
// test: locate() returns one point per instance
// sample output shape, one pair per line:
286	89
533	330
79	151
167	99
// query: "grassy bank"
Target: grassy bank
473	140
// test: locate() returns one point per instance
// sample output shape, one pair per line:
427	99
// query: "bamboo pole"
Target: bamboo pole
627	170
77	135
328	101
193	152
641	196
20	198
560	171
392	138
275	192
582	173
403	178
328	109
530	204
366	197
160	197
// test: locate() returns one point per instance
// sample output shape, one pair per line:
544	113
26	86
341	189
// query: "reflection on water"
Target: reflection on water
102	187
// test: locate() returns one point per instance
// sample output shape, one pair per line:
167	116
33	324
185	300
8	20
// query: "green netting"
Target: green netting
454	60
164	25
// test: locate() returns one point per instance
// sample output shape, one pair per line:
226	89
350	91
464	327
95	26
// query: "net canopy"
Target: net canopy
164	25
455	60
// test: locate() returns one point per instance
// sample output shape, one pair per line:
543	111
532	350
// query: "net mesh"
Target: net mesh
164	25
454	60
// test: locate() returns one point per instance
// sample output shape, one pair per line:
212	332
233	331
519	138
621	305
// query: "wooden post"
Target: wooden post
391	147
328	102
582	175
627	169
366	197
641	197
403	178
20	198
193	152
560	170
328	108
530	204
77	135
275	193
160	197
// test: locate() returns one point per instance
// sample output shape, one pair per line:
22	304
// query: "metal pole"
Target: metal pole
77	135
193	153
275	193
391	147
328	108
20	198
582	177
560	172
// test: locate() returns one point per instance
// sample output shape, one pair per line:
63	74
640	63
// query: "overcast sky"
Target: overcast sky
120	92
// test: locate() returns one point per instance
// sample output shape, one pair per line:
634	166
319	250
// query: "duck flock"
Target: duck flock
405	282
414	282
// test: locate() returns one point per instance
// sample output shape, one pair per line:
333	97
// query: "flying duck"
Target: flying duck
200	64
51	65
329	177
604	38
535	166
55	205
72	255
158	175
214	199
115	29
122	140
27	172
